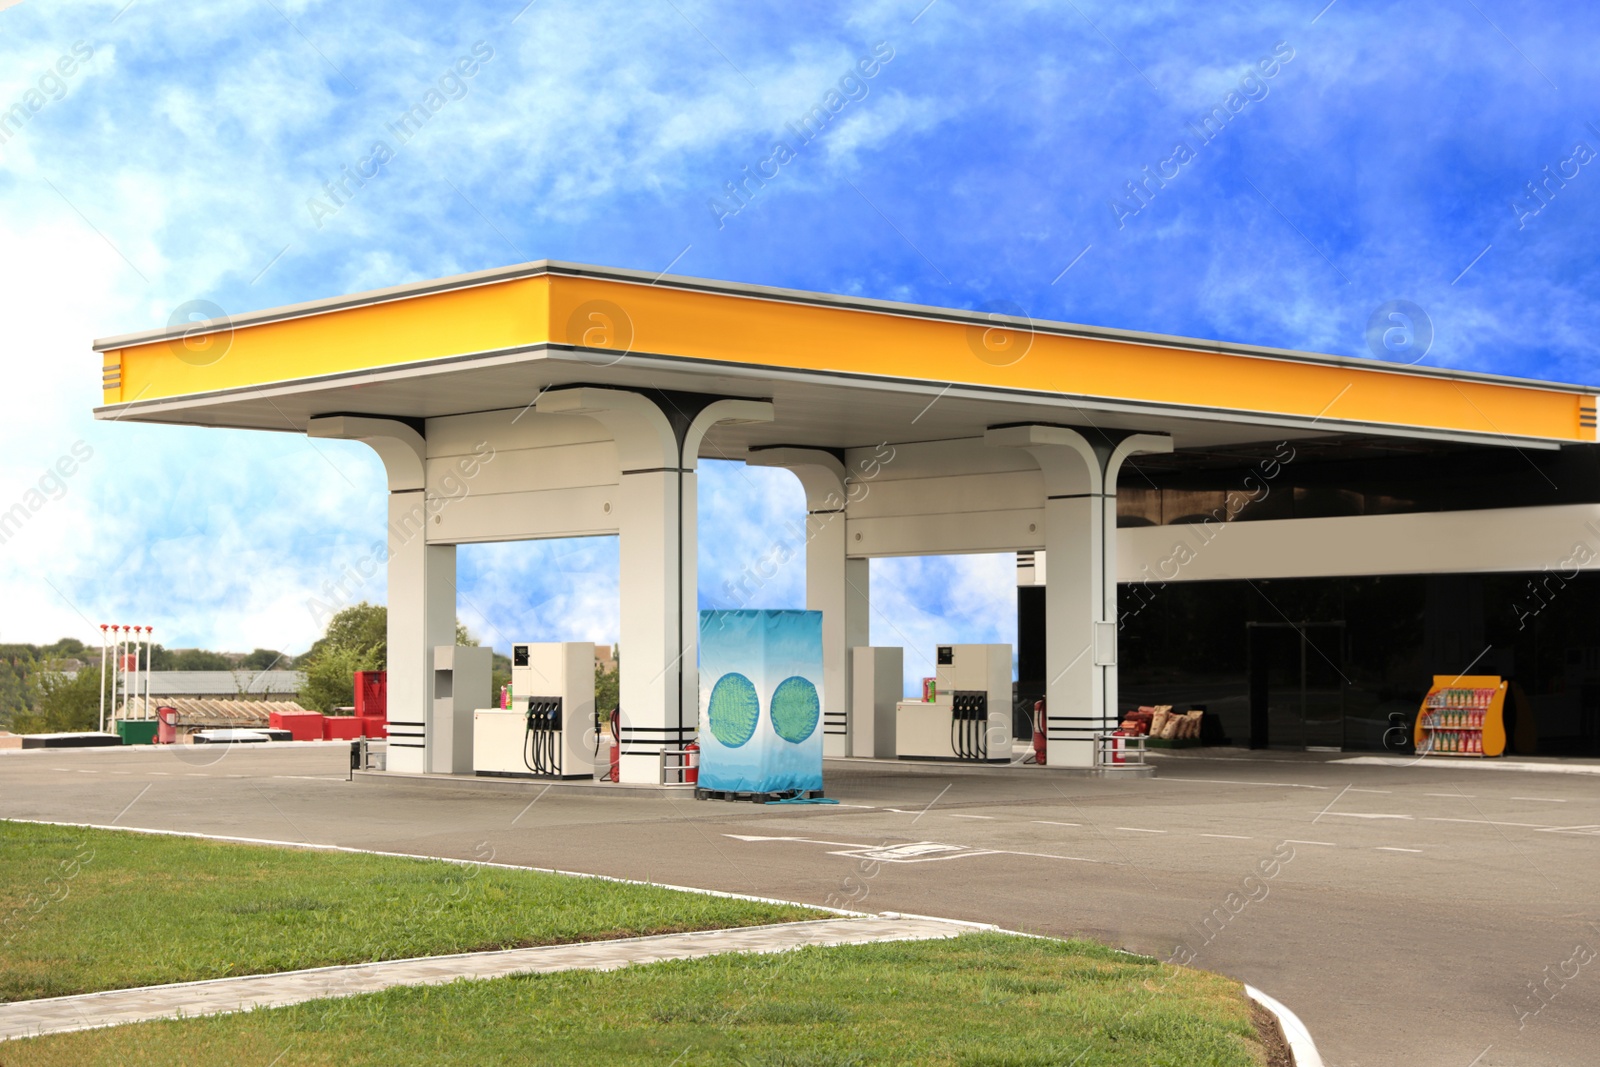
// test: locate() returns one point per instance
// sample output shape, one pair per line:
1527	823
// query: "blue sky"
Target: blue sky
1386	156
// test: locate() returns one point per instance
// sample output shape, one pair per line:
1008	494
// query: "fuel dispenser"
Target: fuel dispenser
549	729
969	717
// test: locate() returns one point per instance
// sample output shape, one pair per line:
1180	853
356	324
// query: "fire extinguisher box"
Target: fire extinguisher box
302	725
341	728
372	694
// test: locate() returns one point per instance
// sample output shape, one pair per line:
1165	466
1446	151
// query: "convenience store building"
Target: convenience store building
1297	541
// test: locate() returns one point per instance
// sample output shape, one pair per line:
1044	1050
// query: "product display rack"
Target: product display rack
1462	716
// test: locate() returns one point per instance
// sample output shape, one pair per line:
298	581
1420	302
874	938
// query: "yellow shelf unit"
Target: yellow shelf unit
1462	716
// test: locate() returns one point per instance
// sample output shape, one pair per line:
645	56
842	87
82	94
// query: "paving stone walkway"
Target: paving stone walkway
30	1018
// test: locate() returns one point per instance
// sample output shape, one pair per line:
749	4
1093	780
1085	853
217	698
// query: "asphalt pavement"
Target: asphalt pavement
1420	915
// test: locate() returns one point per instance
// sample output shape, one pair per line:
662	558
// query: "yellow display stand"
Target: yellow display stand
1462	716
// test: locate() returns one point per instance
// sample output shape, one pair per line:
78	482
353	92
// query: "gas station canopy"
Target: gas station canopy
555	400
842	371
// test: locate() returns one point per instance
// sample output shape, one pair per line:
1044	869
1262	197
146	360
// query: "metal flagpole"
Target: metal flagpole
103	629
149	654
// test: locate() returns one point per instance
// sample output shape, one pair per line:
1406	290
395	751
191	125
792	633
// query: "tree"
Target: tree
265	659
357	639
607	687
198	659
330	677
63	704
16	665
67	647
360	626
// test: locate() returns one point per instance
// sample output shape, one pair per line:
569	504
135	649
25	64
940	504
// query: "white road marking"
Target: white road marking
1230	837
313	847
919	852
953	815
1353	789
914	852
1454	796
1048	856
1292	841
1047	822
803	840
1391	848
164	774
1331	803
1488	822
868	806
1229	781
1543	800
1141	830
1361	815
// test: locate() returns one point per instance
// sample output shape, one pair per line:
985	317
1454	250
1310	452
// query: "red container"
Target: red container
302	725
1118	745
372	726
166	725
372	694
341	728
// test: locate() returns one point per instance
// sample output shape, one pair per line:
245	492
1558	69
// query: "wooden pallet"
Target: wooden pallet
756	798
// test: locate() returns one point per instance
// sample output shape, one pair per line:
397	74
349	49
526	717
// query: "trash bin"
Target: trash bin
137	731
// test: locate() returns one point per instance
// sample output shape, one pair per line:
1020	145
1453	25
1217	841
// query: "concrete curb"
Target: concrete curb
950	768
1301	1046
1496	764
135	750
474	784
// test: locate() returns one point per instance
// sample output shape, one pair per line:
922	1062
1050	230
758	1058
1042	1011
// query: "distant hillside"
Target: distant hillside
21	665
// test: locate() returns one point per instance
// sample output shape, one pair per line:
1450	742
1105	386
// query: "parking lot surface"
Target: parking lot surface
1412	915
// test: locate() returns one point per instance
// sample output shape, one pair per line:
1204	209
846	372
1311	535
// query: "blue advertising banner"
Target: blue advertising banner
760	701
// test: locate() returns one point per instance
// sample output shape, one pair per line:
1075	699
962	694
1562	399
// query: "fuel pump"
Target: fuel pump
541	745
969	717
549	730
969	724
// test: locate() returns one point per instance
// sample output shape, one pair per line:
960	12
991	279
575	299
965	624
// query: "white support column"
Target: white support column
659	687
836	585
422	583
1080	489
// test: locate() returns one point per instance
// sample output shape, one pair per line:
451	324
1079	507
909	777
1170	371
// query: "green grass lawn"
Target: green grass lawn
979	999
85	910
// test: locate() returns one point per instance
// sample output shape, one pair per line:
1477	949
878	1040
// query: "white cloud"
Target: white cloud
194	137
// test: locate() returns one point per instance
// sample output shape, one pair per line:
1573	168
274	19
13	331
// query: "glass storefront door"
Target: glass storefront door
1297	684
